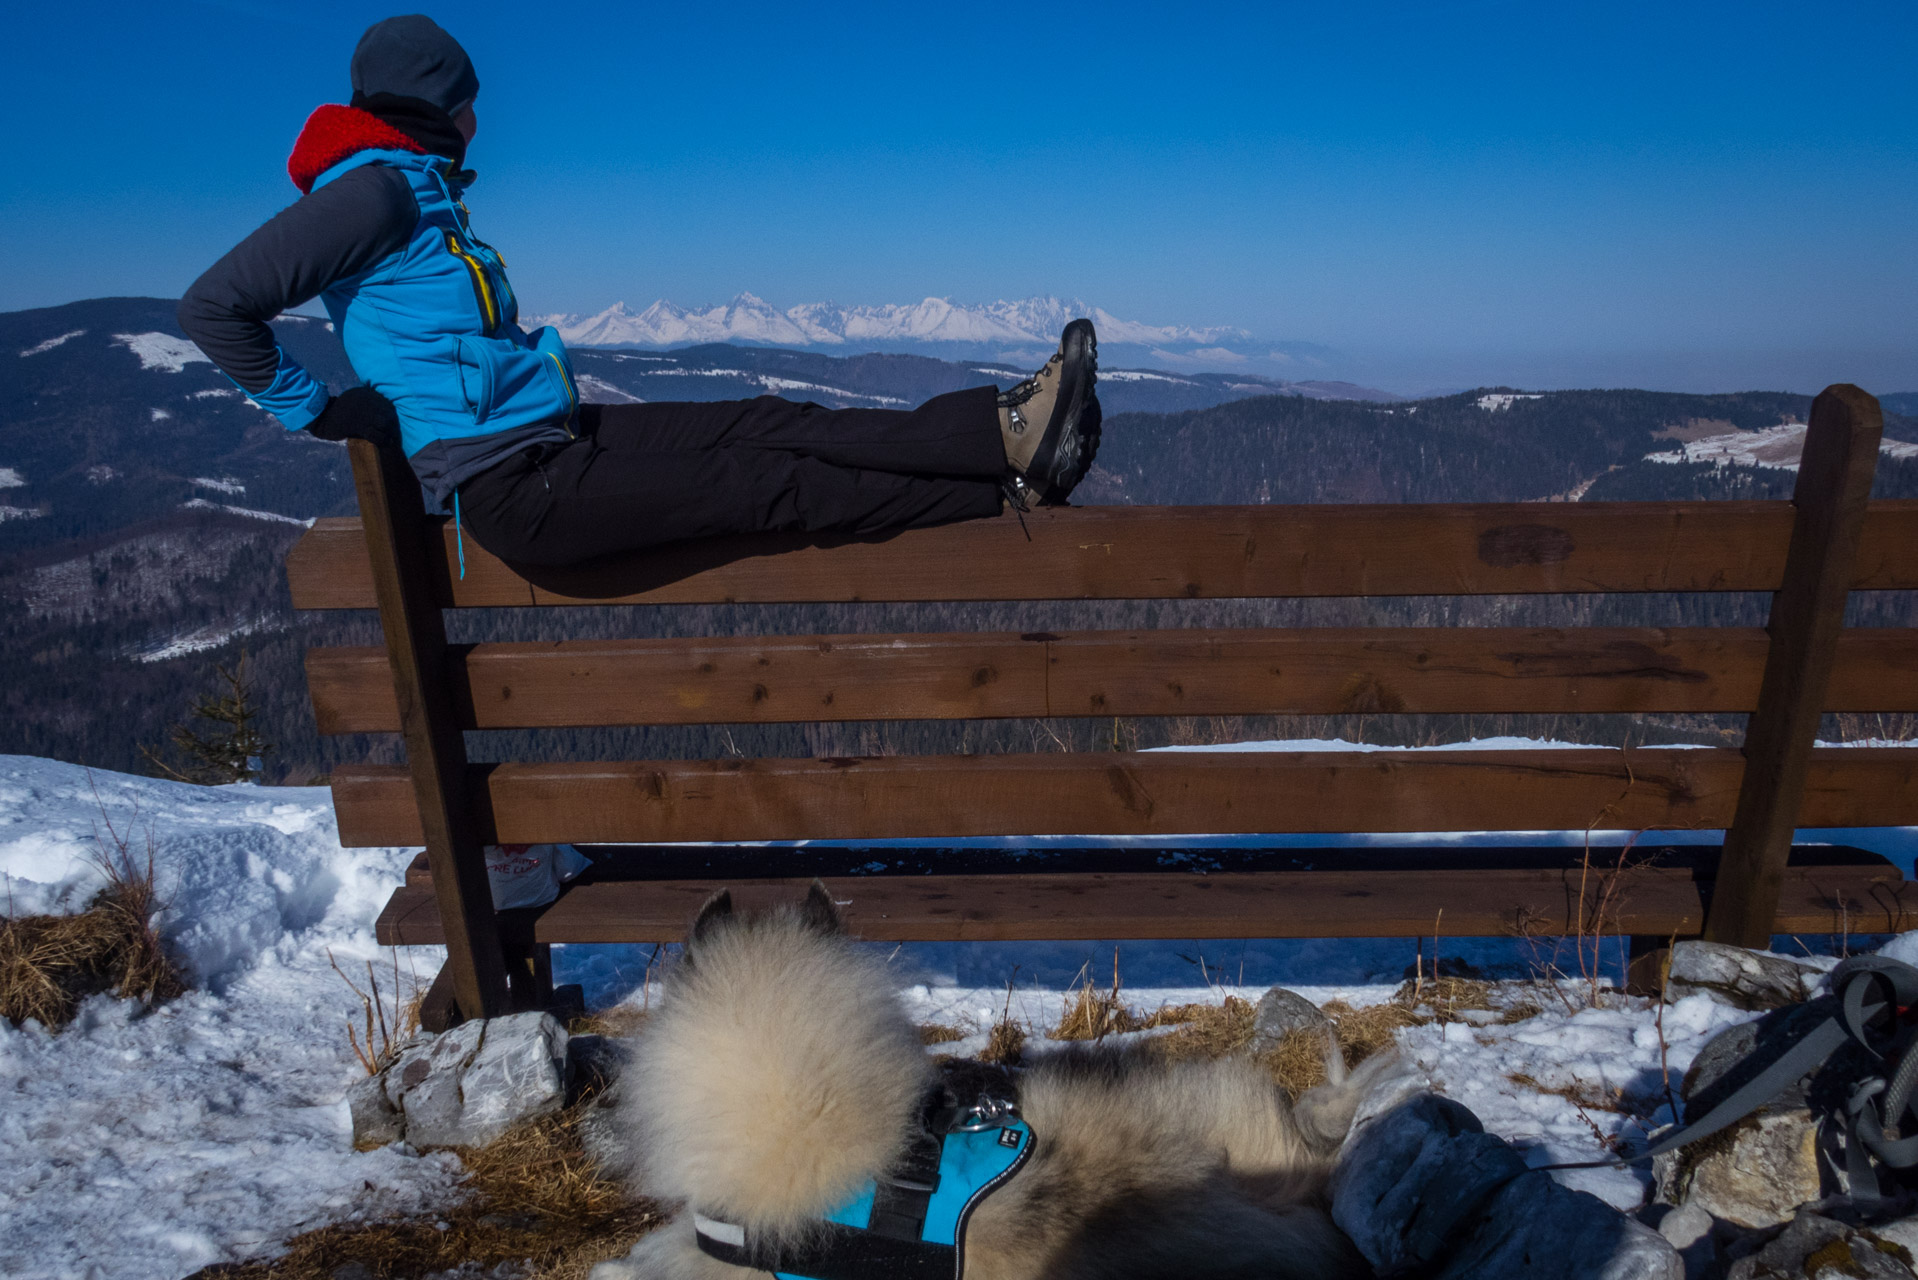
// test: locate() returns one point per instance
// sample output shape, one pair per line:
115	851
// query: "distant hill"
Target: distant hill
109	417
145	507
1496	445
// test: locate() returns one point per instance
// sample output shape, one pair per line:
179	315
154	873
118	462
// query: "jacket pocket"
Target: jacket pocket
559	370
477	381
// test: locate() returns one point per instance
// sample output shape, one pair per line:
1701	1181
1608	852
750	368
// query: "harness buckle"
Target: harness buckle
984	1113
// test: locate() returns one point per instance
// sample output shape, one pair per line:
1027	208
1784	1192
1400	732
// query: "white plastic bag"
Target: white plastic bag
529	875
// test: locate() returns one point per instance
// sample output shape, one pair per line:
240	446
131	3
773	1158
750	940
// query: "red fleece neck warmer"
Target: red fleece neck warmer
332	133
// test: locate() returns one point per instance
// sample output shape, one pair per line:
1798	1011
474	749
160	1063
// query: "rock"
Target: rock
1690	1230
1423	1188
424	1084
1820	1248
375	1122
352	1270
1685	1226
1756	1175
1734	976
1903	1233
595	1062
601	1135
518	1074
467	1086
1282	1012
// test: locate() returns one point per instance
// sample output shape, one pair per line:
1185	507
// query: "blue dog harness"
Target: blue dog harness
909	1224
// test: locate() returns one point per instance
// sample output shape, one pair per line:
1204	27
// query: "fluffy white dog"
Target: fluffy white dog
781	1080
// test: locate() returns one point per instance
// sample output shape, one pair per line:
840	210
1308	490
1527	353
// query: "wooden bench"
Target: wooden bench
1809	552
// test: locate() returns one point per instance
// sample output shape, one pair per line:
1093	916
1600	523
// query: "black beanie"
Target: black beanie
412	57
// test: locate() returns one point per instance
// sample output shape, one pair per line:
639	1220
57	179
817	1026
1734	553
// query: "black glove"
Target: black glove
359	414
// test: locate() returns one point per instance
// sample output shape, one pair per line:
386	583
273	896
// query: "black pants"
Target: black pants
644	474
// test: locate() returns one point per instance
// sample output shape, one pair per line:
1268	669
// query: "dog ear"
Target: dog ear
718	908
818	911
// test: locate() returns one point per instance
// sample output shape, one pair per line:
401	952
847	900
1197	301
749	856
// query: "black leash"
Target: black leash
1874	994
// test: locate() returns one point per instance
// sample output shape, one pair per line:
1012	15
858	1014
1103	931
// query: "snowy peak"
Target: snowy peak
748	318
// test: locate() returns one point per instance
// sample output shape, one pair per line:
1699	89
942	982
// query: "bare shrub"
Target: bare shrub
50	964
385	1035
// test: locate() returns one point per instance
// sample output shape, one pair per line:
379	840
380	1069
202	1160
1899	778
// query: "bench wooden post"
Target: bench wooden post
1807	615
401	545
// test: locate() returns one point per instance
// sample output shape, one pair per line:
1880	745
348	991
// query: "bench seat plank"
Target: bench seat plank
1317	671
1279	904
1142	553
1133	793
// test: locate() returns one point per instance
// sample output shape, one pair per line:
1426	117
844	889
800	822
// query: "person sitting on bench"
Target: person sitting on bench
489	415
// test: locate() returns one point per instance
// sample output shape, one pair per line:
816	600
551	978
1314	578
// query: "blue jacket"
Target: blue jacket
434	326
422	306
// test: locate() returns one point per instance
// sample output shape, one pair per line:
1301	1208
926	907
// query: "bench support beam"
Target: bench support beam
1807	615
397	546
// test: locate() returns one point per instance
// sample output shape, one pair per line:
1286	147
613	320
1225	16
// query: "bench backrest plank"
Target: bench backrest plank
1318	671
1811	552
1145	794
1157	553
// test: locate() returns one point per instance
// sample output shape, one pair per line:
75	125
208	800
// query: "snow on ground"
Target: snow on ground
1502	743
11	479
146	1145
51	343
200	639
161	350
1776	447
224	484
249	512
1136	375
1499	401
599	391
19	513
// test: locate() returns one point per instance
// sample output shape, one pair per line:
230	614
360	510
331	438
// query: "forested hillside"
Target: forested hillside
145	508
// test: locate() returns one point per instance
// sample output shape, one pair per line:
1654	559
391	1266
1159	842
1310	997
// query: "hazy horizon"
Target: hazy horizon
1706	197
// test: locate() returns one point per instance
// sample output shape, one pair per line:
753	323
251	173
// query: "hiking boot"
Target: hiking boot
1050	422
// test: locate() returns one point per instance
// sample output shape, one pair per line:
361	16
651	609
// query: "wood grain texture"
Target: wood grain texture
1125	553
1807	619
438	781
1296	904
1324	671
1135	793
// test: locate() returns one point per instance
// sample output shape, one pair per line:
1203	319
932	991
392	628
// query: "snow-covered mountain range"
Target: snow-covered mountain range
1015	329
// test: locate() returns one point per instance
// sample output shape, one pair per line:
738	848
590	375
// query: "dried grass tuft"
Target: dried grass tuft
1297	1062
939	1033
534	1197
1203	1030
385	1035
1005	1044
1093	1014
615	1024
1446	997
50	964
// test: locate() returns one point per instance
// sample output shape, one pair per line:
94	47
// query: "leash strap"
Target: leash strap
832	1252
1872	992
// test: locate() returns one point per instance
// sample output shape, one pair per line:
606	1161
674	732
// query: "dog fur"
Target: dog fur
781	1073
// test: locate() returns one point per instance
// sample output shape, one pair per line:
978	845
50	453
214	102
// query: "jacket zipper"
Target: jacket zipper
483	290
466	225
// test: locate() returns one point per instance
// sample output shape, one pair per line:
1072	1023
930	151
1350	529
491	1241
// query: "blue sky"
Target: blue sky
1673	194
